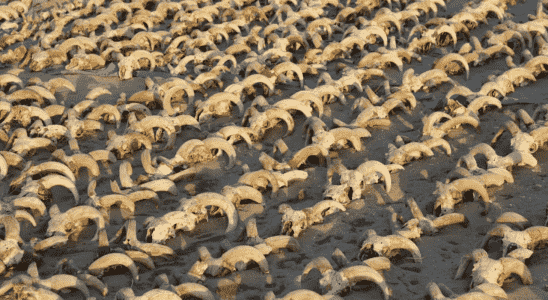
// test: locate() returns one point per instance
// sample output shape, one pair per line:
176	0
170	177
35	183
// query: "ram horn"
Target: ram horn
186	148
516	73
538	234
125	294
298	294
429	121
166	100
54	180
54	84
484	149
190	289
284	115
151	122
515	219
415	210
374	166
36	205
21	215
483	101
465	184
51	242
302	155
540	135
144	195
97	92
161	185
244	253
445	61
6	79
50	166
125	174
140	257
147	162
307	96
379	263
103	155
286	67
320	263
258	78
490	289
206	199
450	219
112	259
458	120
511	266
352	135
138	54
43	92
435	291
252	177
237	194
356	274
81	160
222	144
128	207
293	104
325	206
459	90
414	147
13	159
435	142
65	281
93	281
103	109
3	168
283	241
82	106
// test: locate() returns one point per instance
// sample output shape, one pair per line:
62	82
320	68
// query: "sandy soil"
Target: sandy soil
441	253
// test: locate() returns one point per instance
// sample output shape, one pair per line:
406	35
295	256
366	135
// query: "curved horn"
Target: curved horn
284	115
36	205
137	54
283	241
515	219
125	174
358	273
319	208
161	185
206	199
320	263
458	120
465	184
194	290
93	281
450	219
219	143
538	234
112	259
54	180
65	281
97	92
514	266
373	166
236	194
244	253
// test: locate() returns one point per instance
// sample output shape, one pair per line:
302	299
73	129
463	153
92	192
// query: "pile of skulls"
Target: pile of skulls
253	55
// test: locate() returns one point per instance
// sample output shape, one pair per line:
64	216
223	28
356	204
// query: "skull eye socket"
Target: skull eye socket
511	248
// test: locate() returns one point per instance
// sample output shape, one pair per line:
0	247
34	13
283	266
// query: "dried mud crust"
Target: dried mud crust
440	253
